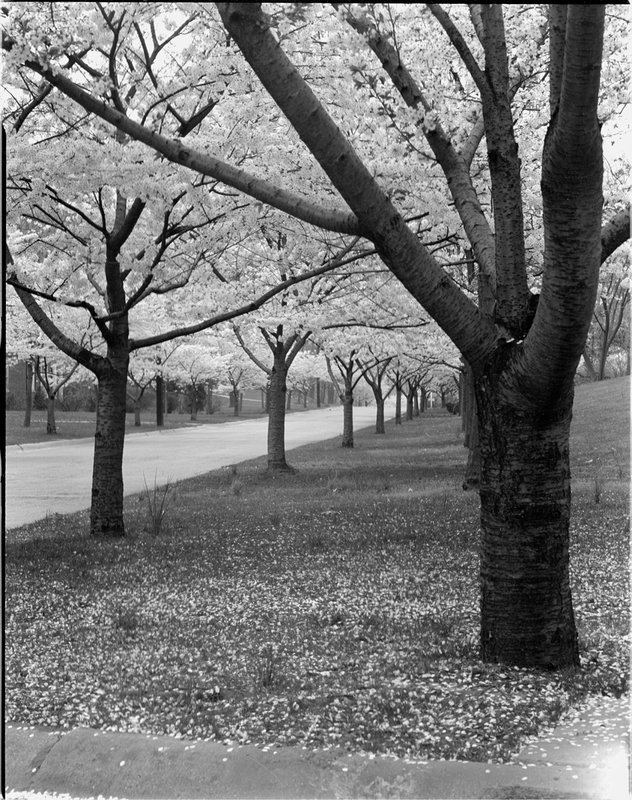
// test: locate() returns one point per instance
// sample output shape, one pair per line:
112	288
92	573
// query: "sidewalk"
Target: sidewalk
584	758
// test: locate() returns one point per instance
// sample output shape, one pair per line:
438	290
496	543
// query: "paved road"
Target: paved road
55	477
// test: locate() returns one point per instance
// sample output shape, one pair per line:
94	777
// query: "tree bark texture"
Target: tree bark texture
276	413
347	418
106	513
526	609
379	416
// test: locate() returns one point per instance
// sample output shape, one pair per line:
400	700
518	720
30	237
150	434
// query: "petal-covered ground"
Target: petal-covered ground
334	606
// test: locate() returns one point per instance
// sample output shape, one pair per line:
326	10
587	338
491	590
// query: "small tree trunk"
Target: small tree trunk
51	425
160	408
317	392
379	402
526	611
137	422
347	419
288	404
398	404
235	402
28	394
106	513
193	403
409	405
276	414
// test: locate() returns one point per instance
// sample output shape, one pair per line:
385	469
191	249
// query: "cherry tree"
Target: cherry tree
523	338
610	328
109	229
52	369
191	366
306	369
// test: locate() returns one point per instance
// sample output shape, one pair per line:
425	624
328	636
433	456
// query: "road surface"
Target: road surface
56	477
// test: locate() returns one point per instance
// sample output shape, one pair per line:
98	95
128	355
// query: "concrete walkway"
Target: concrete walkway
56	477
583	758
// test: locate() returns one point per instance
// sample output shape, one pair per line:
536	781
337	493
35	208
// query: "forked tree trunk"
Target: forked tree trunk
526	609
276	414
106	514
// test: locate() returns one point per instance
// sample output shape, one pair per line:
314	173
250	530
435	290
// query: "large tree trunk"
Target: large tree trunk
106	514
526	609
472	470
276	413
398	405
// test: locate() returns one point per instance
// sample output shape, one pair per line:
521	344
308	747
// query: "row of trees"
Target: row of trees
229	361
454	155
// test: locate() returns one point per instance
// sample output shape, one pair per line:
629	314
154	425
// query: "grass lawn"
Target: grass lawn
334	606
81	424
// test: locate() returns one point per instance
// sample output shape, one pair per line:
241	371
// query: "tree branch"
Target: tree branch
228	315
335	220
614	233
397	245
455	167
460	45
